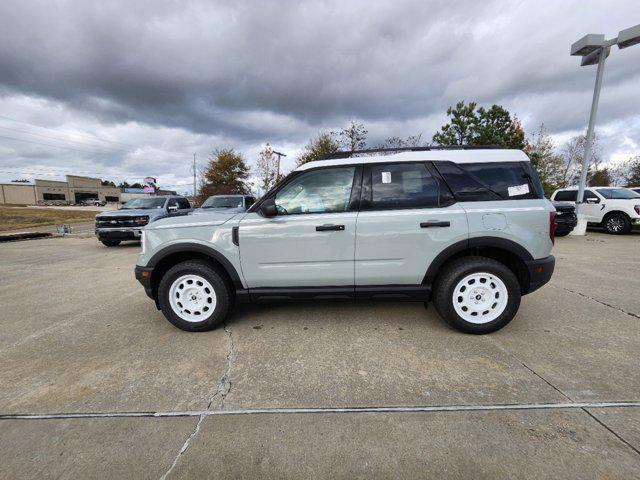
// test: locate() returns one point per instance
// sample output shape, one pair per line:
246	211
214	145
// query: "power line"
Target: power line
60	139
95	137
62	131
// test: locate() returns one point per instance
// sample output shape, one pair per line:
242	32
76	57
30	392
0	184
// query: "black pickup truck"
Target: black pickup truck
566	218
128	222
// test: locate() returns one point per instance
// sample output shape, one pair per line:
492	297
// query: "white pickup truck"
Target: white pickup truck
616	209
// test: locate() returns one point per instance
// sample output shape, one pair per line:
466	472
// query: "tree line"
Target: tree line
227	171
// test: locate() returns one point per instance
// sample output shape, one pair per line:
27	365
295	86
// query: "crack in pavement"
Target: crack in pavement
222	390
615	434
546	381
622	310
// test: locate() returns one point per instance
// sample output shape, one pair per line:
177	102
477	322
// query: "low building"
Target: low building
75	190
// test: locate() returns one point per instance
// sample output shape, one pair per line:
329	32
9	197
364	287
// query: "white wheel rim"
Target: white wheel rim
480	298
192	298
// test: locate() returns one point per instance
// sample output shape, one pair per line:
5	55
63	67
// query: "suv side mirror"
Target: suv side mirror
172	208
268	208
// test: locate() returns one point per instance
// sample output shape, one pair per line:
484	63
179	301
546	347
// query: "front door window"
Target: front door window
318	191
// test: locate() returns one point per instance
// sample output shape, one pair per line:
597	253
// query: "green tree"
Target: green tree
631	172
318	148
548	164
226	173
107	183
481	126
266	168
600	177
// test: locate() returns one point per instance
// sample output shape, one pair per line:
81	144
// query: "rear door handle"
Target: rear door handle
325	228
435	223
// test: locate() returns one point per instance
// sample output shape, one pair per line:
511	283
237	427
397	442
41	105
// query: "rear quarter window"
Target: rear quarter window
491	180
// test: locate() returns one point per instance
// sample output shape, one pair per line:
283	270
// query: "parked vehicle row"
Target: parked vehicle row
468	229
615	209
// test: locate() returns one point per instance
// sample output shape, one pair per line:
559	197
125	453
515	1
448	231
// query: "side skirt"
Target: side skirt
410	293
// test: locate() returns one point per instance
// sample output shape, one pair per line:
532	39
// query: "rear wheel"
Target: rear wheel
562	233
477	295
193	296
110	243
617	224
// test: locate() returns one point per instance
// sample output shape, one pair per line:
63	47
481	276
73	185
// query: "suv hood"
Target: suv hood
208	219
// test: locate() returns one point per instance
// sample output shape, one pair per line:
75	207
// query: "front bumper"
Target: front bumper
119	233
143	275
540	272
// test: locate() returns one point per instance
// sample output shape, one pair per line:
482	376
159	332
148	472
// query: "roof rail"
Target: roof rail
349	153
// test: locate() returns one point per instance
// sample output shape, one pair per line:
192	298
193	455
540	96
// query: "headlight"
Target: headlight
141	220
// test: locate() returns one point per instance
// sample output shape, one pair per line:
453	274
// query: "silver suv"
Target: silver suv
467	228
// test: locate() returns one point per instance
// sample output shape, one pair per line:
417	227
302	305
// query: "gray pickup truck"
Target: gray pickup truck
127	222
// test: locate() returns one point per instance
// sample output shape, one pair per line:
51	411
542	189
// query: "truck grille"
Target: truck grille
118	222
567	213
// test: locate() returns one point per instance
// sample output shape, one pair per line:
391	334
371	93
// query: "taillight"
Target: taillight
552	227
637	209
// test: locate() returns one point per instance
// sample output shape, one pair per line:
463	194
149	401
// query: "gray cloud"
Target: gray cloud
249	72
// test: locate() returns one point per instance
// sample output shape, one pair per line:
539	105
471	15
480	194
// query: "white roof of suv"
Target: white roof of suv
456	156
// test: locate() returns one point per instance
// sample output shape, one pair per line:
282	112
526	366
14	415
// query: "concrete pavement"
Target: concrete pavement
79	335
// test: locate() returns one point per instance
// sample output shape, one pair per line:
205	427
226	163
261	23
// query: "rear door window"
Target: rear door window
403	185
183	204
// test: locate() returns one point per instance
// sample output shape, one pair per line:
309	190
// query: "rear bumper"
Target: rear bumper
143	275
540	272
122	233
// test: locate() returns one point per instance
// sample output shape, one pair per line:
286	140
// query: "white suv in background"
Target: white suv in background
616	209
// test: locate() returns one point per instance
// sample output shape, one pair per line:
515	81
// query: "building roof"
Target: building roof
456	156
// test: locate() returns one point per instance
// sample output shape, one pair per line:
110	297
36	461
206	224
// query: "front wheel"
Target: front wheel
477	295
617	224
193	296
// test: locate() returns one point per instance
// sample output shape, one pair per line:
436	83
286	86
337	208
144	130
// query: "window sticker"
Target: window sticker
518	190
386	177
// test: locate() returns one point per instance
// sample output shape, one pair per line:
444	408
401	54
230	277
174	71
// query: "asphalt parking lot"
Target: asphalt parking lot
538	399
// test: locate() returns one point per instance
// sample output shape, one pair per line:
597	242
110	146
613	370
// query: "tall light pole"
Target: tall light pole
594	49
194	175
278	163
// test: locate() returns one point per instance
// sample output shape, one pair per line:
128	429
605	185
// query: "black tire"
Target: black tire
617	224
457	270
562	233
220	287
110	243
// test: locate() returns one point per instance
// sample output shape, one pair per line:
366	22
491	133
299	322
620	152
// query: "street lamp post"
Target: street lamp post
594	49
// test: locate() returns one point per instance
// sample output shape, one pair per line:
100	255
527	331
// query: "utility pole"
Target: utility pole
278	163
194	175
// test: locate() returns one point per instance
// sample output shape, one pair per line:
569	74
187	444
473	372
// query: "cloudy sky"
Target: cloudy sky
126	89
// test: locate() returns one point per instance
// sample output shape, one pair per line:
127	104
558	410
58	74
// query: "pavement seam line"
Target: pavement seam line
631	314
615	434
546	381
223	388
298	410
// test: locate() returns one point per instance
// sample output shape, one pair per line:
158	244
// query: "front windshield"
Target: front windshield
617	193
145	203
223	202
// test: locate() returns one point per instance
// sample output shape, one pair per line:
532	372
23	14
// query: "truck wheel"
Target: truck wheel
194	296
617	224
477	295
110	243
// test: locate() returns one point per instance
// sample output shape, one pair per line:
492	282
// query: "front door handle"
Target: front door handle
325	228
435	223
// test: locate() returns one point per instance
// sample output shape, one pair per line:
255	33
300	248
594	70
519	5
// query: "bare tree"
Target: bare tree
266	169
352	137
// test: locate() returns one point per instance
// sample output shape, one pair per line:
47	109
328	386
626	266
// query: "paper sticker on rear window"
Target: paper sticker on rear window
386	177
518	190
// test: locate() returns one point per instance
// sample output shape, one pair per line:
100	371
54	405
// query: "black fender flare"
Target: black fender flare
485	241
201	249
